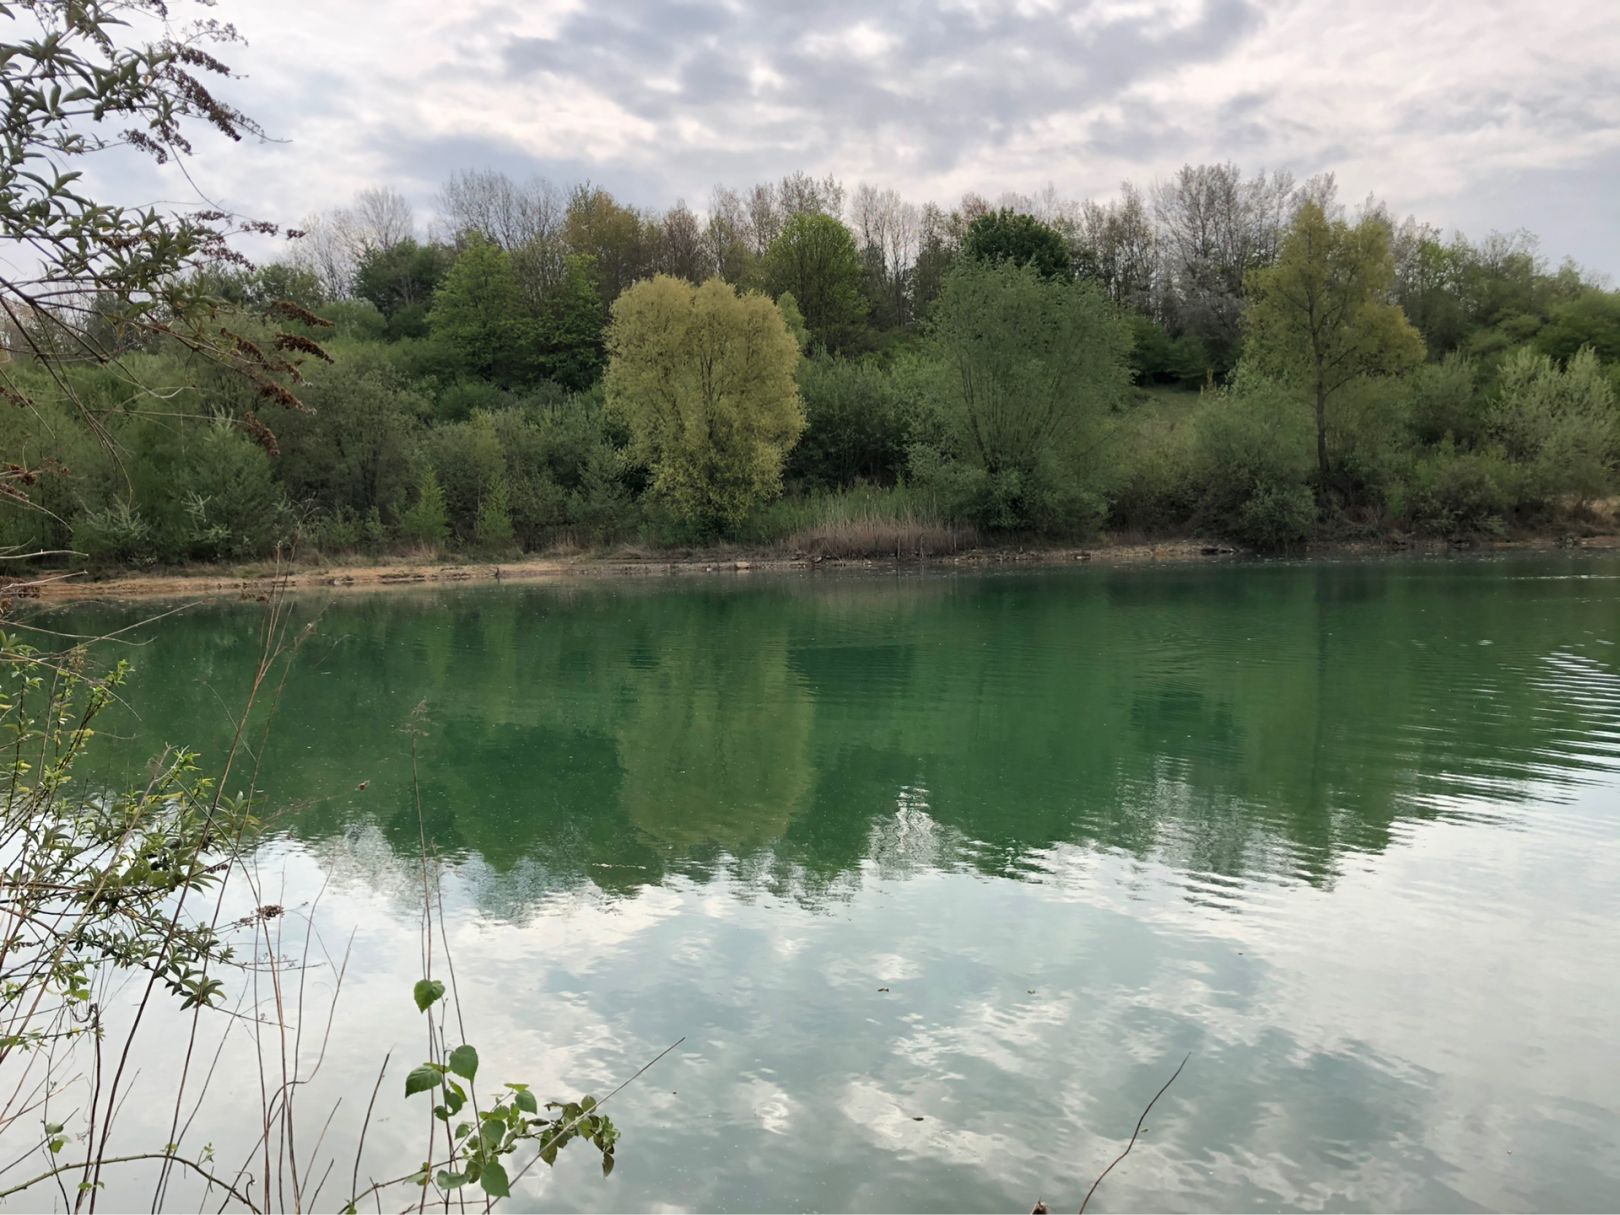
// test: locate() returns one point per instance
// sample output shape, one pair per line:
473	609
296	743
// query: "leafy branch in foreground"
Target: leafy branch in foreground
90	279
95	879
478	1144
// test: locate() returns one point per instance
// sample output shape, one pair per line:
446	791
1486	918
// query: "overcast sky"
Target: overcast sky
1468	113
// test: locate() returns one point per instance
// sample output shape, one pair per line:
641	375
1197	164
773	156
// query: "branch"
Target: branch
169	1156
1134	1134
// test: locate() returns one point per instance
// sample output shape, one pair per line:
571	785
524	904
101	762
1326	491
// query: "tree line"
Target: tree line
1222	354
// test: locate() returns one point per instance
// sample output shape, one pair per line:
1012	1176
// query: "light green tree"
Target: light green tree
493	528
1559	424
427	522
704	379
1321	317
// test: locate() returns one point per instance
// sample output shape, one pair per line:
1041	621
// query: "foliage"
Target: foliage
1021	240
1251	464
478	320
703	378
1446	403
793	319
1319	319
856	424
468	460
96	880
1559	425
1029	367
427	522
355	447
400	279
568	331
815	260
492	530
101	278
482	1137
1453	492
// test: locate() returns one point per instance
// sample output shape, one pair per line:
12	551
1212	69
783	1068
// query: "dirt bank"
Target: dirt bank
252	581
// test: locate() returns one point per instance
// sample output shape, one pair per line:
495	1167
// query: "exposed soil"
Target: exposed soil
253	581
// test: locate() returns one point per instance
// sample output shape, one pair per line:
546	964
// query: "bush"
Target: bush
1150	483
117	535
338	532
1045	498
855	426
1445	401
1559	425
1275	516
1252	462
1455	492
207	491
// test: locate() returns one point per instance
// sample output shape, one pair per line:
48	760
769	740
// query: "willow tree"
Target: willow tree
1322	317
704	379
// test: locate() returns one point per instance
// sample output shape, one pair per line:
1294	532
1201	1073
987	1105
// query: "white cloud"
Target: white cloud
1459	118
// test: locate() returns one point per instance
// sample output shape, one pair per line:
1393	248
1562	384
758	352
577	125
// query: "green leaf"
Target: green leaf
422	1079
464	1061
525	1101
449	1181
607	1163
494	1180
427	992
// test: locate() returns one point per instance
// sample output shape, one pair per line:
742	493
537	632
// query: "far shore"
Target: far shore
251	581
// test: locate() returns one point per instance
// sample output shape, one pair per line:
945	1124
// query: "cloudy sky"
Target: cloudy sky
1480	115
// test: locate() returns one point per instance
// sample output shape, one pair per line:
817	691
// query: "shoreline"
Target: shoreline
253	581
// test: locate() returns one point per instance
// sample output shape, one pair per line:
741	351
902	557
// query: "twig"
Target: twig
190	1164
1134	1134
354	1182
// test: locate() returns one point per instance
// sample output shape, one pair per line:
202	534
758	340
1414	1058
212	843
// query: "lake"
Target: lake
940	876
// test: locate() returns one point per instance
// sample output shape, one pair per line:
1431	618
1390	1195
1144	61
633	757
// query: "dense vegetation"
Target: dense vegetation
1224	356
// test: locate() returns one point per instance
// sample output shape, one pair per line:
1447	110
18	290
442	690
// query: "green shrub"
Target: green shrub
1275	516
1456	492
337	532
855	426
1150	483
1445	401
115	535
493	531
1252	462
427	522
1560	425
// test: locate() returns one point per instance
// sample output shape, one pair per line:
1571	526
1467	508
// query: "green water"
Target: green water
993	852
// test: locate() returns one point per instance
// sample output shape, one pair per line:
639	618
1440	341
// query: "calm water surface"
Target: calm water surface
993	852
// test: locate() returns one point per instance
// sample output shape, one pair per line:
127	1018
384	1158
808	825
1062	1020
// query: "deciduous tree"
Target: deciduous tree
815	258
1322	317
704	379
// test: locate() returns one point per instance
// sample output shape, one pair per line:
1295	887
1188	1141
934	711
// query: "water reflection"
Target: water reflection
988	852
1232	723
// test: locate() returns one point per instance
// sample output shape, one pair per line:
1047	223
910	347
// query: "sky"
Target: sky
1490	114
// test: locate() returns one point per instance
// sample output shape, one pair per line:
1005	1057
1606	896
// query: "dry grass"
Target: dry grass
876	524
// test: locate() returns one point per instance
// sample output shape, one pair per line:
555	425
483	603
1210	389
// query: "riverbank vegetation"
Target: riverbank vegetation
802	367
